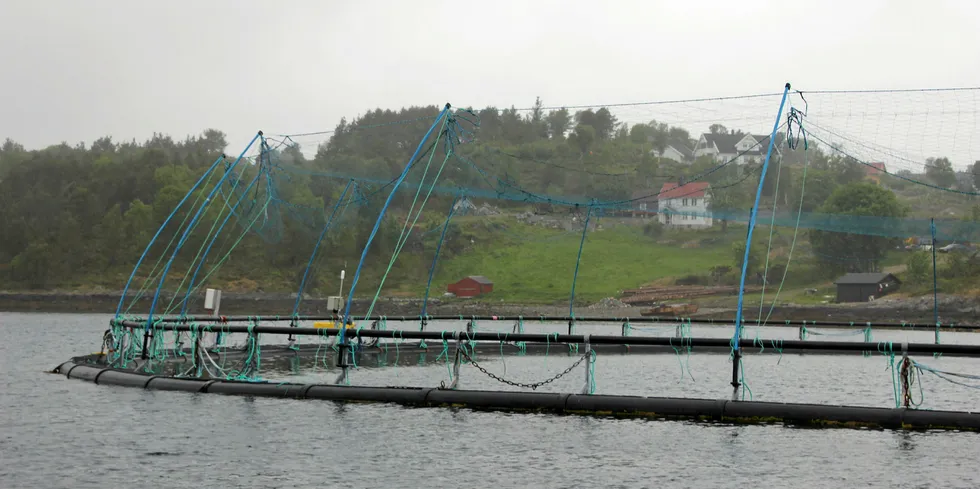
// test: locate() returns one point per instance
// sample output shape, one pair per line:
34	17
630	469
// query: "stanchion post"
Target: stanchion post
342	362
198	353
905	372
588	367
456	363
422	323
736	358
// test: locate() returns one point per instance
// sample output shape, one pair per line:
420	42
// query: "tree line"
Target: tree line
82	215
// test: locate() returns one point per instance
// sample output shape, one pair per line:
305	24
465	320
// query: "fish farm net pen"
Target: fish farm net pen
811	172
800	345
564	319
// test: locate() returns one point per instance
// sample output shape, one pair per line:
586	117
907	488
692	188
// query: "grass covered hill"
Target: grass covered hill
77	217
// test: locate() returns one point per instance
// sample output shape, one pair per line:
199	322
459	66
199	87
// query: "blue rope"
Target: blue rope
139	262
183	238
316	247
432	269
190	285
942	374
377	224
578	260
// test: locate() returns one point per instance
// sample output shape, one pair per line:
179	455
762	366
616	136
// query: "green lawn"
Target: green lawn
534	264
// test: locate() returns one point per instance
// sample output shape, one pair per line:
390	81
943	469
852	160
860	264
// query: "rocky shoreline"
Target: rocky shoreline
953	309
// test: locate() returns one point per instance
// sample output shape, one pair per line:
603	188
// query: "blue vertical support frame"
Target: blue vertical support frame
737	354
935	292
578	260
435	259
166	221
316	247
183	238
342	343
214	239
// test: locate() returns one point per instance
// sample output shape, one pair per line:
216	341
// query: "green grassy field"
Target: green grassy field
535	264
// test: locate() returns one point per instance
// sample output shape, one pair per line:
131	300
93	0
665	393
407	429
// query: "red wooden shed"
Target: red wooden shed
471	286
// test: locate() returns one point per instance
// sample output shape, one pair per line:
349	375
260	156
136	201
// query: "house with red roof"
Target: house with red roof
874	171
684	205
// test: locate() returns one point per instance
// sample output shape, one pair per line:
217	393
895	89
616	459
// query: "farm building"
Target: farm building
864	287
874	171
471	286
684	204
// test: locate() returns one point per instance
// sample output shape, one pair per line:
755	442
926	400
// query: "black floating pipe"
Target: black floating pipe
558	403
565	319
842	346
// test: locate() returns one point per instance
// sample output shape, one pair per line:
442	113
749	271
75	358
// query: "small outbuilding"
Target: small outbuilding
471	286
864	287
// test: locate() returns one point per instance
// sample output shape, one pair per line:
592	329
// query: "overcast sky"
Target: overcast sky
77	70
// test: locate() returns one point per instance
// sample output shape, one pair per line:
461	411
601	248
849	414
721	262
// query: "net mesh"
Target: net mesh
633	204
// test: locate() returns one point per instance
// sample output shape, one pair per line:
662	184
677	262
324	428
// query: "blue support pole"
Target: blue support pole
748	244
377	224
935	292
342	340
578	260
432	269
139	262
183	238
316	247
200	263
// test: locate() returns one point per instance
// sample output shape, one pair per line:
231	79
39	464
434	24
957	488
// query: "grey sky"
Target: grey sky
74	70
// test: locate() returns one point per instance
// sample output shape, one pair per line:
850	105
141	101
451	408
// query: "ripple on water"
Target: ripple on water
56	432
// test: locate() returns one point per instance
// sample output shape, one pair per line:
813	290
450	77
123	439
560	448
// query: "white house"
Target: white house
742	148
684	205
675	151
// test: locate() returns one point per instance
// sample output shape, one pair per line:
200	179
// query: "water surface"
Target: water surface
57	432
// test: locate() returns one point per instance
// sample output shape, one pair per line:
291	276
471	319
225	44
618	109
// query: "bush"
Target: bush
775	274
693	280
653	229
755	256
718	273
919	267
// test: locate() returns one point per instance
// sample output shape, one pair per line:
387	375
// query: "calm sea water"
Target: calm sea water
57	432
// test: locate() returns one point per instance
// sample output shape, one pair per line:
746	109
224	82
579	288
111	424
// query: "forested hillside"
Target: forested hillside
80	216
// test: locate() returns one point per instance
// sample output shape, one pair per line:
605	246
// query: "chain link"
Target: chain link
532	386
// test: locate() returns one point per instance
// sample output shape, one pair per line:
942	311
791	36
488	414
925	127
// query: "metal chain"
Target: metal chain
532	386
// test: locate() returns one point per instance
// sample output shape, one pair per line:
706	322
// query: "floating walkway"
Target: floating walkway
99	369
708	410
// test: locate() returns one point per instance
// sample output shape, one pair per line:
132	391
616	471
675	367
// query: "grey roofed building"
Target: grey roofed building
864	287
675	150
740	148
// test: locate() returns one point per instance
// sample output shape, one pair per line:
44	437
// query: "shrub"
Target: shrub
693	280
653	229
919	267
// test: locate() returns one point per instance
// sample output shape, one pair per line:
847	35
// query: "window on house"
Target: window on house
694	201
